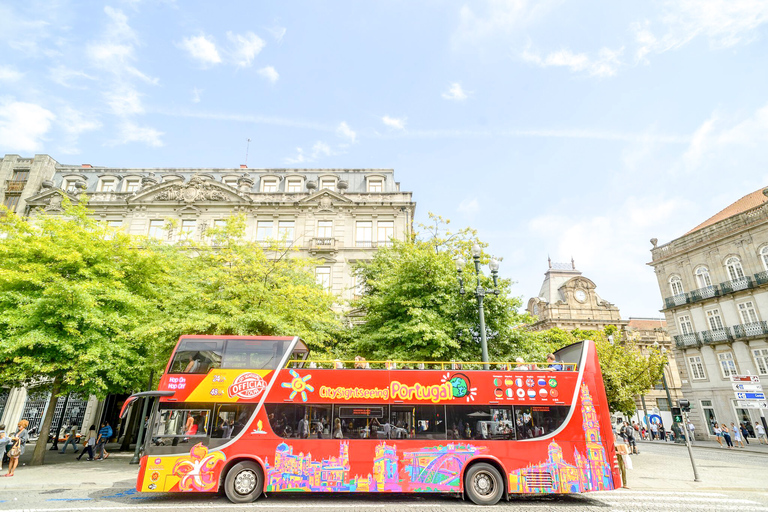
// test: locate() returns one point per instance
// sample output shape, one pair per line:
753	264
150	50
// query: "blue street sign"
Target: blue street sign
750	396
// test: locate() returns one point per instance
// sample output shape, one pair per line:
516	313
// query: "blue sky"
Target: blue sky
555	128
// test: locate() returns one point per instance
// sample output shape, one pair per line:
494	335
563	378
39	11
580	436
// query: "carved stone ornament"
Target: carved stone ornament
54	205
196	190
325	204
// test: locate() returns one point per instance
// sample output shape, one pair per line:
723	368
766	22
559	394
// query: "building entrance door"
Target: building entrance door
709	416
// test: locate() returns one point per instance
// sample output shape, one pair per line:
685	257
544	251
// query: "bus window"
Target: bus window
253	354
300	421
539	420
230	420
180	423
359	422
470	422
197	356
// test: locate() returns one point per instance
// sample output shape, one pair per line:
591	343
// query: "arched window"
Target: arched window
702	277
764	257
733	265
676	285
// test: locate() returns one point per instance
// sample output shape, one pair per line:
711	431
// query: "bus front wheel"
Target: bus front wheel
244	482
483	484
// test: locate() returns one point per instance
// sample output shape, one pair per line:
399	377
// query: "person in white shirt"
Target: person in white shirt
760	431
691	431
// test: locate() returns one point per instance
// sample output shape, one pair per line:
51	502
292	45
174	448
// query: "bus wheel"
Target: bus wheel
244	482
483	484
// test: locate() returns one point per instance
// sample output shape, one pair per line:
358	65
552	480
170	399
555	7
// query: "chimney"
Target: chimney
243	166
87	166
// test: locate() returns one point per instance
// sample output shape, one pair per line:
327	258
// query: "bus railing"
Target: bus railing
428	365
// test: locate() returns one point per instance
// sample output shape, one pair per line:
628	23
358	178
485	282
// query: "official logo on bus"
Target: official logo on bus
247	385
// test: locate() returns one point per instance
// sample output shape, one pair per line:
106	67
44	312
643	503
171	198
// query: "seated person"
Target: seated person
553	364
521	366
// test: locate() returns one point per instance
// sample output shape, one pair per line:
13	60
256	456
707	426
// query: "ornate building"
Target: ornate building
714	282
337	216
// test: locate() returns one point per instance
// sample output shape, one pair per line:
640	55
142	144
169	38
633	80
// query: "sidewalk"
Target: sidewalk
752	447
64	471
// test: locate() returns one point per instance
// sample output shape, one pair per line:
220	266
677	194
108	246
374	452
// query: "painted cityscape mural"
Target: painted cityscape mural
438	468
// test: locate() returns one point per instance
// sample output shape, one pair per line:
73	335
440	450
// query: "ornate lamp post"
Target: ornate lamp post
480	293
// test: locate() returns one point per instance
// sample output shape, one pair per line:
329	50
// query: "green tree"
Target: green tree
72	294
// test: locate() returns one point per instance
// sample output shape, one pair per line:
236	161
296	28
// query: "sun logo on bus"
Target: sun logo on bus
460	384
298	385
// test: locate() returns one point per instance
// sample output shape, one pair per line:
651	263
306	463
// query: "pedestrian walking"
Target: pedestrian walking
744	432
719	434
105	432
691	431
19	440
5	440
662	432
654	431
726	435
628	433
760	431
89	443
71	439
737	438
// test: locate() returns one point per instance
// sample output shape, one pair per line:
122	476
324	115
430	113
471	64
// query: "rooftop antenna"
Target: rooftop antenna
247	147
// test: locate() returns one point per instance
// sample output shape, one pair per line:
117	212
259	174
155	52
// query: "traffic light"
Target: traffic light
684	404
677	415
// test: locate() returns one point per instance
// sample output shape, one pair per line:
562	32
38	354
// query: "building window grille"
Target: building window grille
727	364
747	313
697	368
686	327
702	277
761	360
11	202
733	265
714	319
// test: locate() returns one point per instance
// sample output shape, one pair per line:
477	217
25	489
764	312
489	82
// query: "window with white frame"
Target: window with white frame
733	266
764	257
269	185
69	185
293	186
323	277
156	229
761	360
187	231
676	285
747	312
714	320
324	229
328	183
376	185
132	185
697	368
285	230
385	231
263	230
702	277
727	364
359	283
364	233
107	185
686	327
230	181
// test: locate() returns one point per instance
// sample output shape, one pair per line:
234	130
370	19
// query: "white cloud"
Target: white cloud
482	21
245	47
455	92
605	64
394	122
8	74
125	101
131	132
269	73
298	159
469	206
278	33
196	94
23	125
74	123
321	149
345	132
67	77
202	49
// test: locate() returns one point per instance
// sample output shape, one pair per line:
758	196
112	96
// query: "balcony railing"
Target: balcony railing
322	243
687	340
14	186
748	330
704	293
676	300
716	335
761	277
743	283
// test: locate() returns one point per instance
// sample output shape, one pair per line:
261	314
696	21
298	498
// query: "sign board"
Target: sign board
748	404
745	378
750	396
747	387
654	418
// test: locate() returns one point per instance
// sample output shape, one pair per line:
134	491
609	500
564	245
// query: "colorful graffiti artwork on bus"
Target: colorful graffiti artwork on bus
437	468
460	386
198	472
555	475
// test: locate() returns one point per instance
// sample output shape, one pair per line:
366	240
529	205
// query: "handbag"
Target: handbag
15	450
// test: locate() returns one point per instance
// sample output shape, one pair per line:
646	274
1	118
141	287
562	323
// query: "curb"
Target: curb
695	445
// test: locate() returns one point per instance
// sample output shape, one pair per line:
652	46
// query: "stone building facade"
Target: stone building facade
337	216
714	282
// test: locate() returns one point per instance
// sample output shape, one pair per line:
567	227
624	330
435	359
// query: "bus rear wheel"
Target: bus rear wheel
244	482
483	484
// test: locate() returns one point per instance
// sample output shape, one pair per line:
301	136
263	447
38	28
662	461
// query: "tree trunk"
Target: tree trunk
125	446
38	457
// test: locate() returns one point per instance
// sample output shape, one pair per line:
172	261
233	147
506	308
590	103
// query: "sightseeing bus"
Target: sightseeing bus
248	415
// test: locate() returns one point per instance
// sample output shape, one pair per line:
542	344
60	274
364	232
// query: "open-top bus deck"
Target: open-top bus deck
253	414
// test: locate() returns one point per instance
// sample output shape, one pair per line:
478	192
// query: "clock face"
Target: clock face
580	295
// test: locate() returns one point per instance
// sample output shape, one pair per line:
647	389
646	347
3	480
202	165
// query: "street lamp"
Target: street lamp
480	292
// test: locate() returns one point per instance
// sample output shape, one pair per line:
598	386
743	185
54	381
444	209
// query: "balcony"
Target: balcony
704	293
687	340
749	330
322	244
14	186
716	335
743	283
761	277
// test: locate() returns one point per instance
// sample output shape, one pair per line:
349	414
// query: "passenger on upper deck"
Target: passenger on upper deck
553	364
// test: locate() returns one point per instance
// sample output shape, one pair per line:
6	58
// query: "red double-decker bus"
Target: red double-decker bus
254	414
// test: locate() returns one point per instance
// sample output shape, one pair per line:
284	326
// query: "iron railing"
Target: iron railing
761	277
704	293
687	340
716	335
751	329
742	283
